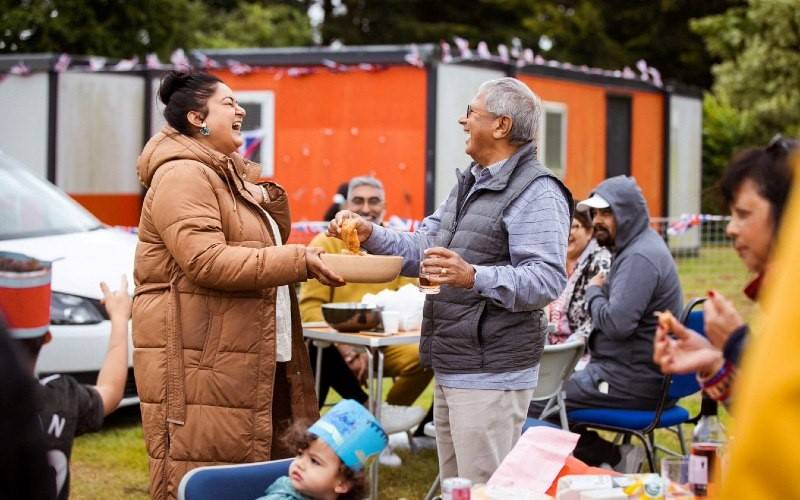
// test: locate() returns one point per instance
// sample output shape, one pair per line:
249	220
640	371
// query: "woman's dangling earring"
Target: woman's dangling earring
204	129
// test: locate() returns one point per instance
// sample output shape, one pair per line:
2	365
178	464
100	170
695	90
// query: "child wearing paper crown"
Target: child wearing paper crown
331	456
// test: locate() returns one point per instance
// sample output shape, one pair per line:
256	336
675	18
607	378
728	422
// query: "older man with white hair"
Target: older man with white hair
499	251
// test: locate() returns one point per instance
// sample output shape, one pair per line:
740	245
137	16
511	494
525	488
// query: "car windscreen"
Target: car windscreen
31	207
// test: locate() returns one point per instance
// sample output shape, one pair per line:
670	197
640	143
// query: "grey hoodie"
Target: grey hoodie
642	280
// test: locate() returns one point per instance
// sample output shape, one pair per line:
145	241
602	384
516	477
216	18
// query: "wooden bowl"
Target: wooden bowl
364	268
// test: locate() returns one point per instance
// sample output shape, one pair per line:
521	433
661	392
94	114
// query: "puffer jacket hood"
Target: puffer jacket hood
629	206
170	145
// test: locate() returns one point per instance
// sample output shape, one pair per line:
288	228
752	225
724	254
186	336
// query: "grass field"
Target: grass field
113	464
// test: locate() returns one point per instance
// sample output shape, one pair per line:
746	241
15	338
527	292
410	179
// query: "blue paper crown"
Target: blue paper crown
352	433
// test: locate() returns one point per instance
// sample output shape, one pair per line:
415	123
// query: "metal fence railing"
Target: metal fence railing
704	255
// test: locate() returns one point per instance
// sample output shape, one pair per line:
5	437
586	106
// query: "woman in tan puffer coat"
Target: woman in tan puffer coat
219	359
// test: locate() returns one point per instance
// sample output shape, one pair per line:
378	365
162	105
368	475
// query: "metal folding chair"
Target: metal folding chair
667	414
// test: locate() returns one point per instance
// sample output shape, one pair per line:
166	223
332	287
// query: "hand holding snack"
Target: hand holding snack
687	352
363	227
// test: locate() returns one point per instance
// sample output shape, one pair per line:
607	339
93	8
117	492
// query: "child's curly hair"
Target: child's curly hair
298	438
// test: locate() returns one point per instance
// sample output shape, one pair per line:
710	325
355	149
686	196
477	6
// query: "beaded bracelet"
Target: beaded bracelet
719	386
721	373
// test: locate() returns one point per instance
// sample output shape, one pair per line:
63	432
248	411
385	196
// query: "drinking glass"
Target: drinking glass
425	285
675	474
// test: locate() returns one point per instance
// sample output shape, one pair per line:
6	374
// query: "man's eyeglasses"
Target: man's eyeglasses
471	110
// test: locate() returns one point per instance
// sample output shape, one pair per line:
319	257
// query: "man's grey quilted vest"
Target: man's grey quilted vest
463	332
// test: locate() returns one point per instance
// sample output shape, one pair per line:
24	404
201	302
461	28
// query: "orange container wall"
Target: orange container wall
330	127
112	209
586	135
586	129
647	147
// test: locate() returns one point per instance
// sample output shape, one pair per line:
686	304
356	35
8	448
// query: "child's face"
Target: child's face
315	472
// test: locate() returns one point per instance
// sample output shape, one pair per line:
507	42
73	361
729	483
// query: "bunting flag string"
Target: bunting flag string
517	55
312	228
687	221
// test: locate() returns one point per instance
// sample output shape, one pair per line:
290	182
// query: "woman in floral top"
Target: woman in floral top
585	258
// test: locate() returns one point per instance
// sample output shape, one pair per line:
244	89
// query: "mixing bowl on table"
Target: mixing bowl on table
351	316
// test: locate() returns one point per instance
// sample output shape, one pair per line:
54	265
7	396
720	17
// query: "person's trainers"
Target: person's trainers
400	418
389	458
631	458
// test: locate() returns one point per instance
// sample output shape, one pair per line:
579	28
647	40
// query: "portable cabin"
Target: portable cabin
319	116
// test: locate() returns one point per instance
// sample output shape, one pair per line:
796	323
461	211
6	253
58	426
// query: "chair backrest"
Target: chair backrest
555	366
233	482
685	385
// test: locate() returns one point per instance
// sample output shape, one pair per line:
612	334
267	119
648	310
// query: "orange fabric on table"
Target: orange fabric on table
573	467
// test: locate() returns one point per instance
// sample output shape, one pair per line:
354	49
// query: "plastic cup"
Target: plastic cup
391	321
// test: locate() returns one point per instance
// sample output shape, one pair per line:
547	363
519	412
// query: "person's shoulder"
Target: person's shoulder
57	382
282	489
64	385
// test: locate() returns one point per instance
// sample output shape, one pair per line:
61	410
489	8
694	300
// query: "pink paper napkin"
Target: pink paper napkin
536	459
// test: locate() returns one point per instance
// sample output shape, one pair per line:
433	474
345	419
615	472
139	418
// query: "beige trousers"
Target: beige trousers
475	429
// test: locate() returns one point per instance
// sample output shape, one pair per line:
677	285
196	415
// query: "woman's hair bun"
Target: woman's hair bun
172	82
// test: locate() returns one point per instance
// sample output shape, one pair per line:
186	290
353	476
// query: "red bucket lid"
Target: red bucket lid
25	294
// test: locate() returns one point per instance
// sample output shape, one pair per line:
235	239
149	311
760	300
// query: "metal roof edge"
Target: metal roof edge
306	56
575	74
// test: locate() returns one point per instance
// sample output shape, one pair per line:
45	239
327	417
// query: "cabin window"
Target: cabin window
553	137
258	129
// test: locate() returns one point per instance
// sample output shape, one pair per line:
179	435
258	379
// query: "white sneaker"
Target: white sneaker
389	458
400	418
631	459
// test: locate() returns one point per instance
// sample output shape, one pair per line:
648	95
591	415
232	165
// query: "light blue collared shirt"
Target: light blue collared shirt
537	223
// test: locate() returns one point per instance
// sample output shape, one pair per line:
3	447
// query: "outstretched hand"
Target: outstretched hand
317	269
688	352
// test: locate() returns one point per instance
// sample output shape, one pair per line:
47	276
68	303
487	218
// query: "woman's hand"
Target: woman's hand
686	353
317	269
721	318
363	226
445	267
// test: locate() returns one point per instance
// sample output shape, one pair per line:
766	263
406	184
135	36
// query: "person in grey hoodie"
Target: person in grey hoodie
642	280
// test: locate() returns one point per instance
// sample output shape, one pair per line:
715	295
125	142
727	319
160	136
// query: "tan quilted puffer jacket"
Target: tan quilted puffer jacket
206	273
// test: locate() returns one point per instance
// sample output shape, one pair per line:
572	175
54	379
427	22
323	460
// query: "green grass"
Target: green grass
113	462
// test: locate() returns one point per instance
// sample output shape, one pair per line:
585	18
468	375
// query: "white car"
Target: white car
38	219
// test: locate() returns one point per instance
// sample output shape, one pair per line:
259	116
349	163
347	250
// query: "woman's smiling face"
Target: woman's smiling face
224	121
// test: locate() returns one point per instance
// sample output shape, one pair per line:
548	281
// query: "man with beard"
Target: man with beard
344	368
642	280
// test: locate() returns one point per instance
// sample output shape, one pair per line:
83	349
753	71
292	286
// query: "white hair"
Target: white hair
512	98
365	180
